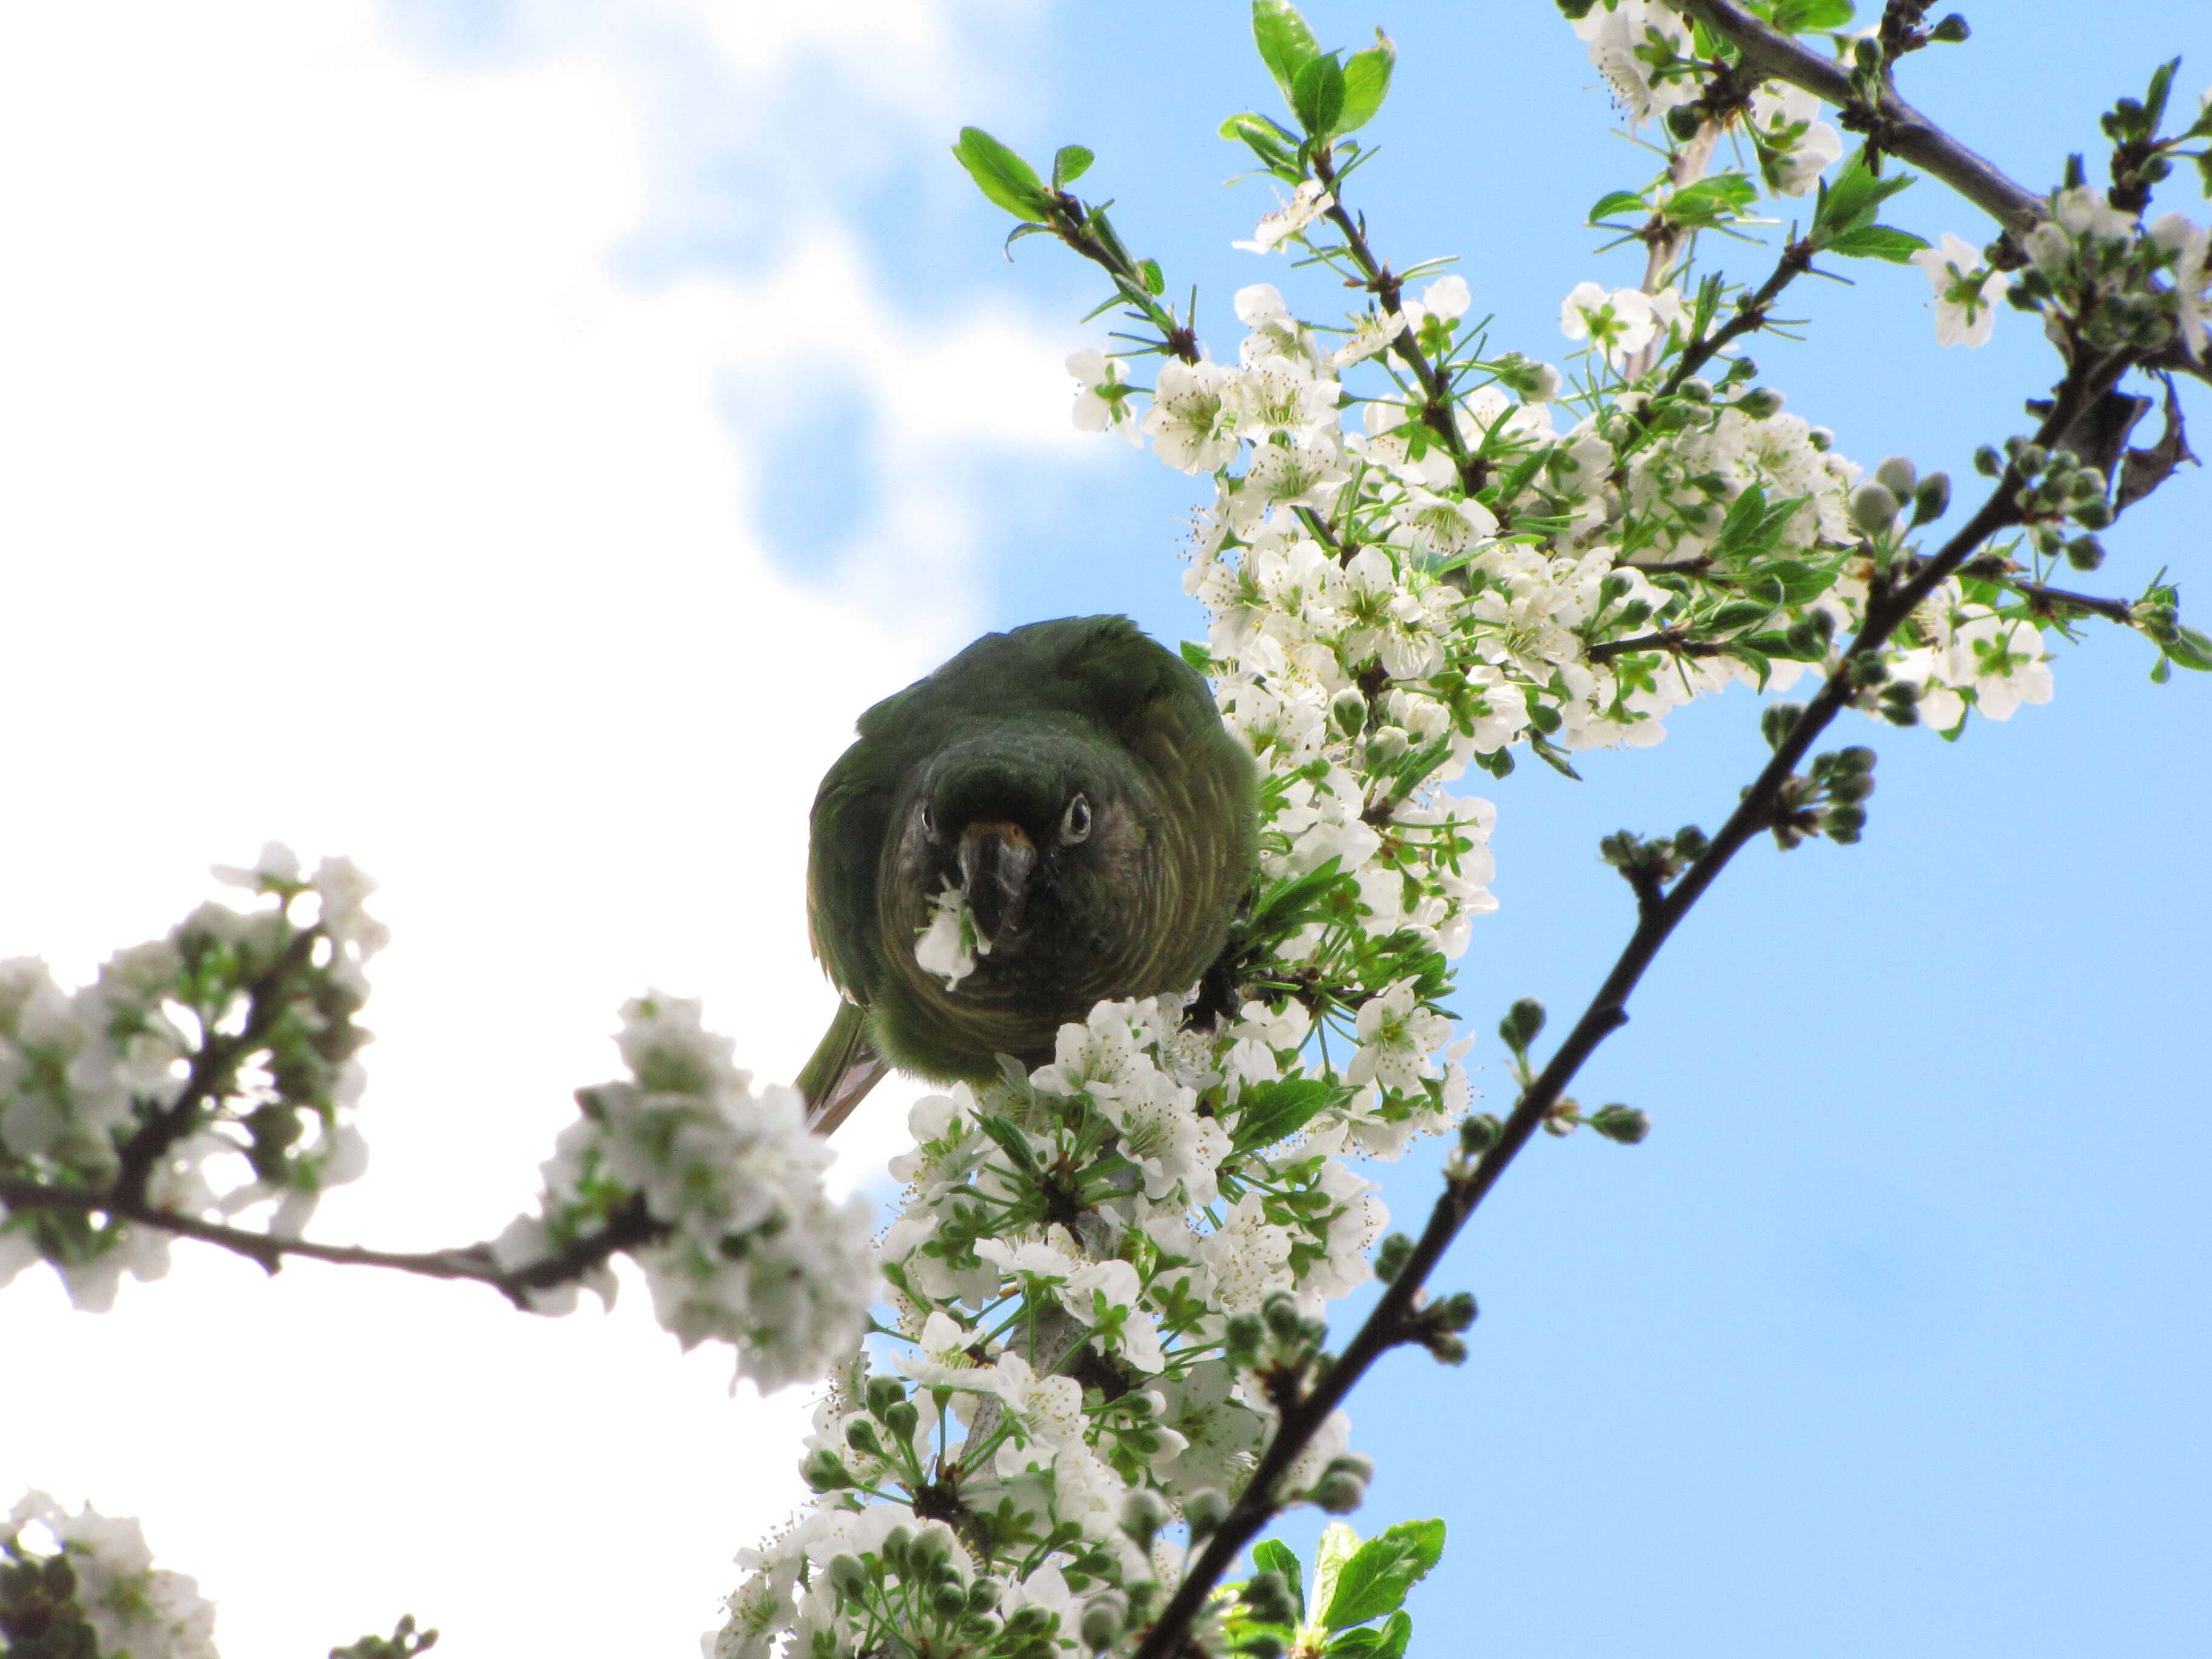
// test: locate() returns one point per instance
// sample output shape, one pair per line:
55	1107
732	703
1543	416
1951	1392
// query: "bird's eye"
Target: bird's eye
928	821
1075	822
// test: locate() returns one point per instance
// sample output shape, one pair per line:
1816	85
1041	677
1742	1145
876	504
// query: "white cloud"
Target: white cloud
349	499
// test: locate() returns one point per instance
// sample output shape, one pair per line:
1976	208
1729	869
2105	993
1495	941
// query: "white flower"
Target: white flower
2085	211
1440	524
1305	470
2187	242
1447	297
1620	323
948	947
1371	334
1276	394
1102	402
1190	423
1306	205
1397	1035
1798	146
278	866
1635	45
1965	293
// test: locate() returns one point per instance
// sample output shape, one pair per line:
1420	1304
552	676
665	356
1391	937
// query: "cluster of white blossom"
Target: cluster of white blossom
229	1044
1073	1246
131	1607
746	1247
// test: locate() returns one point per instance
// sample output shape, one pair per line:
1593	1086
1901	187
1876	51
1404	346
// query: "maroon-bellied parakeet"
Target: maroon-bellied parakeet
1065	792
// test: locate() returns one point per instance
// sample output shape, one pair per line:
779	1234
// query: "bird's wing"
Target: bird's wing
841	1069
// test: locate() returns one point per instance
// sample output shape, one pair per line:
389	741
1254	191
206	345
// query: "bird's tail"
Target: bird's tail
844	1067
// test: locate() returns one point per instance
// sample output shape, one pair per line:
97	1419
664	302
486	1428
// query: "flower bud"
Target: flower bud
1348	710
1951	30
1522	1024
1697	389
1391	1257
1777	721
1757	404
903	1419
848	1577
1933	499
1478	1134
1683	122
1866	54
1448	1349
1144	1512
2085	553
1339	1492
1103	1616
1988	462
1874	508
824	1471
949	1601
1898	476
1206	1509
2095	514
883	1393
1622	1123
1026	1622
983	1594
860	1436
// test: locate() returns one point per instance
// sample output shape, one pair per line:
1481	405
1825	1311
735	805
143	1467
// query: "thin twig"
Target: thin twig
629	1227
1391	1322
1751	313
211	1069
1436	396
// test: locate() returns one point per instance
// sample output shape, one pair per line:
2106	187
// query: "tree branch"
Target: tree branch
629	1227
1391	1322
1897	127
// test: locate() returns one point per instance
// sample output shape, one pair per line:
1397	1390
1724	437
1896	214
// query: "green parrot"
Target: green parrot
1072	782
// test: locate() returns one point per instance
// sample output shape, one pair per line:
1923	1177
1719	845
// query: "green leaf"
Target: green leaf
1877	242
1374	1582
1269	1112
1278	151
1810	16
1737	614
1367	82
1617	201
1197	656
1275	1555
1318	95
2190	649
1149	270
1848	201
1369	1642
1001	175
1012	1142
1070	164
1756	661
1285	44
1711	201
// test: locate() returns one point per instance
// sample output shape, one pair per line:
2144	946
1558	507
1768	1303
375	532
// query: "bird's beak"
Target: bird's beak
996	862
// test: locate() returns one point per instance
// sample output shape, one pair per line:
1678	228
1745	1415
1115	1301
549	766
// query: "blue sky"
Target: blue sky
622	396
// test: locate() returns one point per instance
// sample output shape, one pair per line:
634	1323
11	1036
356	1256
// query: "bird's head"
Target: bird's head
1004	823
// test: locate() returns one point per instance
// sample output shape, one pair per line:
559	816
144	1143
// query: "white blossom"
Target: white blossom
1308	202
1965	293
